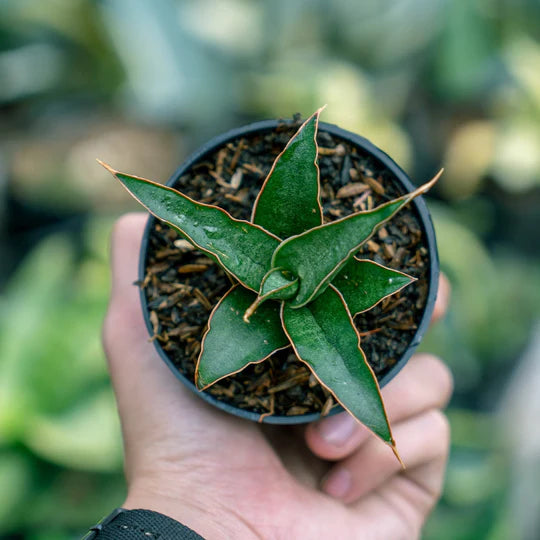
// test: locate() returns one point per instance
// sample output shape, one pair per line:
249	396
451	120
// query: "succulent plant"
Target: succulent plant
298	282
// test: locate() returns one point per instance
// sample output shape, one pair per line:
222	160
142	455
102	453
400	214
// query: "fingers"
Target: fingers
404	500
407	497
421	439
443	299
424	383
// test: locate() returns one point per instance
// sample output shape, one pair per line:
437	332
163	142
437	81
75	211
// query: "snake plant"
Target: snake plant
297	281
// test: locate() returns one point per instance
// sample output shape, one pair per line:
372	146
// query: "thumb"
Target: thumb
146	391
135	367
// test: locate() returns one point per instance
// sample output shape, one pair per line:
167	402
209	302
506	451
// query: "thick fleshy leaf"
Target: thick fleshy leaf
316	256
363	283
230	344
241	248
275	286
324	337
288	203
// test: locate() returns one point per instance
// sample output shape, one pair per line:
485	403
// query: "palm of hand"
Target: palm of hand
268	481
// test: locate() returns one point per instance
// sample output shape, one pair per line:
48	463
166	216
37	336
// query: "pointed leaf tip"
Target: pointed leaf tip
396	454
324	337
301	254
289	200
106	166
243	249
424	188
364	283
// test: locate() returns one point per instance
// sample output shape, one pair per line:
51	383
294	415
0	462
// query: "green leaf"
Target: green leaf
317	255
288	203
324	337
241	248
230	344
275	286
363	284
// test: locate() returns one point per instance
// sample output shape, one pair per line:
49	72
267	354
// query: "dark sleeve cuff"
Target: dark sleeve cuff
140	525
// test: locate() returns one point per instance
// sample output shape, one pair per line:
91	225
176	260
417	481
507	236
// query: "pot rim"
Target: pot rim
425	224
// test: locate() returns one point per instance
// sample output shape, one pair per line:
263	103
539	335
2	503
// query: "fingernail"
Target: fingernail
338	483
338	429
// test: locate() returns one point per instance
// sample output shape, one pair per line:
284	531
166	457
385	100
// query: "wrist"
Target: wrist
139	524
209	518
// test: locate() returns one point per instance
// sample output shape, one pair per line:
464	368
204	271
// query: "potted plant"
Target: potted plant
276	261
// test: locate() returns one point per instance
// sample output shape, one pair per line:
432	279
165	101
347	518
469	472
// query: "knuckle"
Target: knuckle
445	288
443	297
440	378
445	380
440	427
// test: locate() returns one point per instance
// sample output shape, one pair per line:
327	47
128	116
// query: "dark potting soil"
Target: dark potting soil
182	285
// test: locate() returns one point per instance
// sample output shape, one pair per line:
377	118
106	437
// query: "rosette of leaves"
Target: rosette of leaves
298	282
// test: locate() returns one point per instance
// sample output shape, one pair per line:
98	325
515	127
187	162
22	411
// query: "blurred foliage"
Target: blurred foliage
140	84
59	434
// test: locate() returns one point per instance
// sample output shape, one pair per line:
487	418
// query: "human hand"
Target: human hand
229	478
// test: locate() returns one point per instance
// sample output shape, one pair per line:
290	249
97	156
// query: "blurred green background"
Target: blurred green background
140	84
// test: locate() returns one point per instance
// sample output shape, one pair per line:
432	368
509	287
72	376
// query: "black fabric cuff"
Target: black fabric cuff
141	524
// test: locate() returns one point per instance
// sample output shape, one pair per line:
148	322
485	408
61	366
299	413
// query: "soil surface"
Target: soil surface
182	285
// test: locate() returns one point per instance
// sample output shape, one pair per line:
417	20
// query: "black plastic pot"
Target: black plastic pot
425	222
